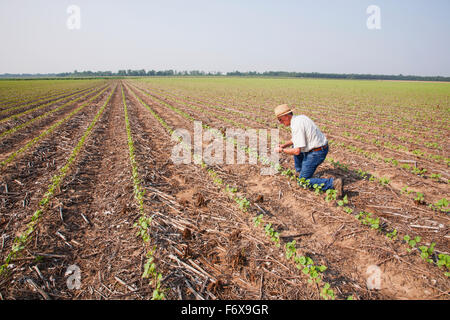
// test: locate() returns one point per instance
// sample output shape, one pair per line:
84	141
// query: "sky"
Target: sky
327	36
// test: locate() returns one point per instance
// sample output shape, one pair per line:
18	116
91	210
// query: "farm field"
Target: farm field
87	180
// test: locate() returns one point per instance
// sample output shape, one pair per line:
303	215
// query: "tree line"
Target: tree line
196	73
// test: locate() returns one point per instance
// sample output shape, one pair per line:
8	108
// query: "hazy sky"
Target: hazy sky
212	35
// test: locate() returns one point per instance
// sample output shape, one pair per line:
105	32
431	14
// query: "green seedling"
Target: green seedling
419	199
274	236
426	252
291	251
343	202
366	219
318	188
444	261
384	181
392	235
330	195
257	220
442	205
411	242
418	171
243	203
327	293
435	176
348	210
302	182
405	190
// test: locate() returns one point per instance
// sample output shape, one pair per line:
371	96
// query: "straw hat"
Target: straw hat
282	109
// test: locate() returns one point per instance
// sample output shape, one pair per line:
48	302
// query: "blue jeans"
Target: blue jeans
306	164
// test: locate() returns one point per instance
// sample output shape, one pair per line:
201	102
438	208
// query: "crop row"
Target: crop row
12	156
68	93
5	103
39	107
48	89
45	115
144	221
21	240
58	98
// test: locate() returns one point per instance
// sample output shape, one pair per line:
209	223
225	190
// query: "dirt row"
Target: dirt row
349	256
48	96
4	103
18	110
21	137
24	181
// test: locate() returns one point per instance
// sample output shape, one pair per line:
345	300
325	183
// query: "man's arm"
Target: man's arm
291	151
284	145
287	144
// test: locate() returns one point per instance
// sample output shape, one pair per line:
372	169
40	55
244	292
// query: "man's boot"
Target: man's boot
338	186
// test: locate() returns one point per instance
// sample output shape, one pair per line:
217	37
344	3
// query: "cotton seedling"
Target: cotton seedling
348	210
243	203
291	251
302	182
274	236
411	242
366	219
343	202
442	205
444	261
419	199
384	181
309	268
318	188
405	190
435	176
392	235
327	293
257	220
426	252
331	195
150	272
419	172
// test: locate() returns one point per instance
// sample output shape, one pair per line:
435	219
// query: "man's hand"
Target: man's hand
279	149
